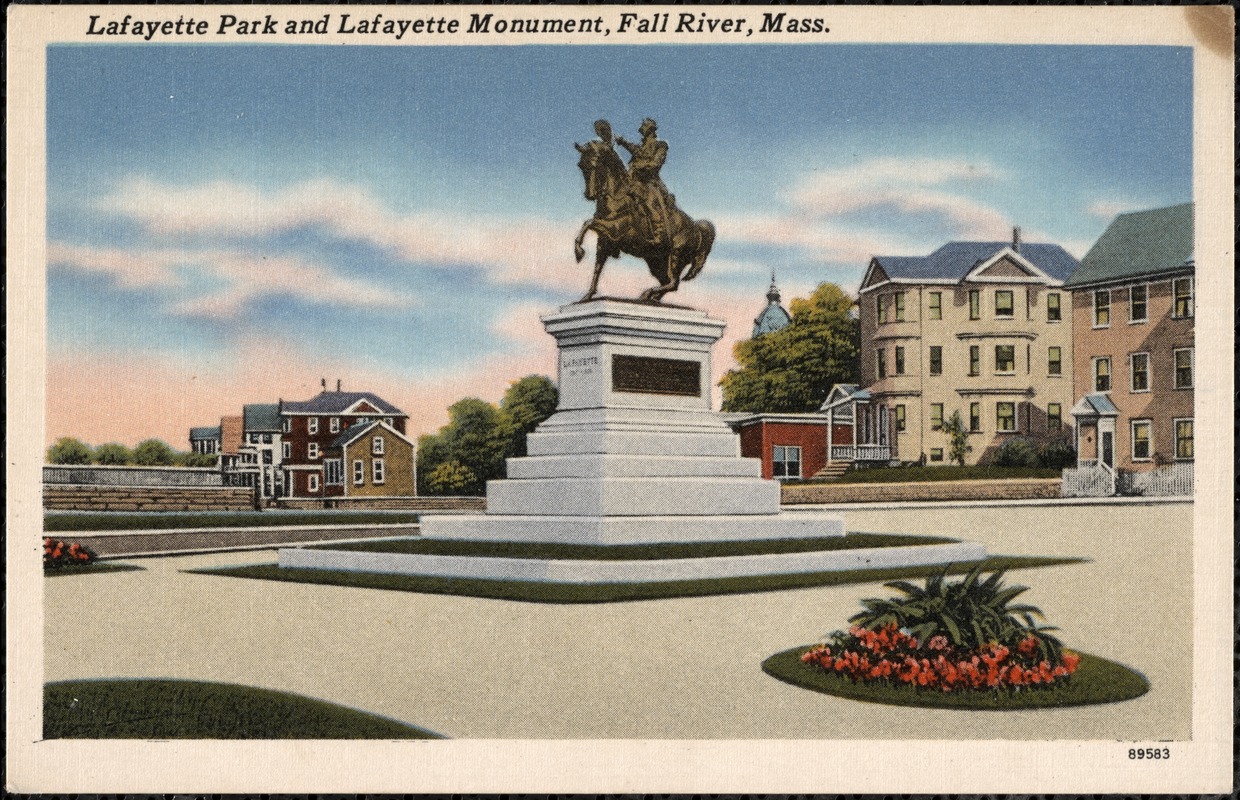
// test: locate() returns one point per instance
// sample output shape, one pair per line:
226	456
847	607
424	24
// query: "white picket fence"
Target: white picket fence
1094	480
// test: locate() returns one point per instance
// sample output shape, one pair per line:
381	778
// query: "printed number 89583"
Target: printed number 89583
1153	753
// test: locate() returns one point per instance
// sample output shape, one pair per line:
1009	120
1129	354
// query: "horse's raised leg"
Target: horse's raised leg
600	258
578	250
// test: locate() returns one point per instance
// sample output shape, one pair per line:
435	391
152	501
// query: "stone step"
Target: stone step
597	465
633	496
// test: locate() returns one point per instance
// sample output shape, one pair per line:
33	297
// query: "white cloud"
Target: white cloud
235	279
1110	209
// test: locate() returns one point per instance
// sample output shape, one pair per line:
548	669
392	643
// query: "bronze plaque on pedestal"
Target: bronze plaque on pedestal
656	376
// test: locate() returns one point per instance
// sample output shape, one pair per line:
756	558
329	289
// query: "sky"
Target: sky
232	224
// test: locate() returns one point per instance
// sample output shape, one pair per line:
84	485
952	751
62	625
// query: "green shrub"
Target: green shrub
1057	455
68	450
1016	453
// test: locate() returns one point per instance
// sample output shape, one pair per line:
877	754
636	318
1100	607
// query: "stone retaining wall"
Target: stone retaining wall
129	475
1022	489
69	497
390	503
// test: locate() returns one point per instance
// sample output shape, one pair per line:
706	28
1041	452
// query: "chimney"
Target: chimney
1016	238
337	384
323	383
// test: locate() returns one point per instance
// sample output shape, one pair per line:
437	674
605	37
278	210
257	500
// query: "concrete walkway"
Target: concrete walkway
674	669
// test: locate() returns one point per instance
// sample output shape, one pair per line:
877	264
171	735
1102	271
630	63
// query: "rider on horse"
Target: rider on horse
644	165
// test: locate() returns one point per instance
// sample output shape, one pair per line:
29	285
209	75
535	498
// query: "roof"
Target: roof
1139	243
1094	404
261	417
339	403
204	433
773	317
845	393
354	432
954	260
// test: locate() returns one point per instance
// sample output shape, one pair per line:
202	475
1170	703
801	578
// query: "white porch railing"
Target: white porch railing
861	452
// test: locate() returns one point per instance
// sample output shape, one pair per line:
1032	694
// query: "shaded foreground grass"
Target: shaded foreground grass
533	592
1095	681
169	709
241	519
633	552
89	569
921	474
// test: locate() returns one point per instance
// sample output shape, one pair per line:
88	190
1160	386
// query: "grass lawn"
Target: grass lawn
633	552
1095	681
241	519
534	592
167	709
916	474
89	569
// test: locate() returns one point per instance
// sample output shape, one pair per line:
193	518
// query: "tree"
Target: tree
958	439
432	451
113	454
450	478
792	369
68	450
526	404
153	453
195	460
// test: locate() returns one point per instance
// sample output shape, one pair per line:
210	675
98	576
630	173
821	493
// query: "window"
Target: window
376	445
936	454
881	363
312	482
266	456
359	472
975	417
266	438
313	424
312	450
1184	439
1005	359
936	305
333	472
786	462
333	425
1054	417
1184	368
975	304
1054	361
287	450
1102	308
975	360
899	360
900	424
880	309
1005	417
1140	440
1139	368
253	438
899	306
1102	374
376	469
1053	312
1182	290
936	360
1003	304
1137	297
287	424
936	416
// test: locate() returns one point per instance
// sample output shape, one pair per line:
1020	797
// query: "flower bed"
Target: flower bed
965	641
58	555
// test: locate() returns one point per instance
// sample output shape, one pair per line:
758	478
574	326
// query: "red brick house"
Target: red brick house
311	428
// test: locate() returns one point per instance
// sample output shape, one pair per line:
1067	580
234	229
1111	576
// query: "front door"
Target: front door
1107	454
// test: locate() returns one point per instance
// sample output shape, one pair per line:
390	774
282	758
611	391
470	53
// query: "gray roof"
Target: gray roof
1139	243
339	402
850	392
954	260
260	417
204	433
1094	404
352	432
773	317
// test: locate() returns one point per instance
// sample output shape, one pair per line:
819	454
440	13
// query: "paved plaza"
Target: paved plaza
665	669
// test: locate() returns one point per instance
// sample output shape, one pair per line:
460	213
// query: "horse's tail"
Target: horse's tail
705	231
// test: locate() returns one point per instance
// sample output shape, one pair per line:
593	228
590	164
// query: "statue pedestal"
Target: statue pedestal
634	453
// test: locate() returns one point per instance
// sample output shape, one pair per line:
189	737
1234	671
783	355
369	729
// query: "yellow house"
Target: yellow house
371	459
983	329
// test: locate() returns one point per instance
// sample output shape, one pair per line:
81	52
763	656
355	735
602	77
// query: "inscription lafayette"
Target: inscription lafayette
647	375
581	365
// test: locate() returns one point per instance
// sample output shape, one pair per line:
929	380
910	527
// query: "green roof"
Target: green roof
1137	244
261	417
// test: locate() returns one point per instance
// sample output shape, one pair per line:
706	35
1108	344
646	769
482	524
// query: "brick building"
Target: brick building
370	459
310	428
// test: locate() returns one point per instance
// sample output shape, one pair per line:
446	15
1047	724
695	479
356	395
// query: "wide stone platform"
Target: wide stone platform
633	455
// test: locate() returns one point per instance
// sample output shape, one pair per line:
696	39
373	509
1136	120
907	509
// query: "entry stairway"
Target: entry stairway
832	471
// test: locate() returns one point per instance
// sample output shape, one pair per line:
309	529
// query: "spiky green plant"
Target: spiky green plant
970	614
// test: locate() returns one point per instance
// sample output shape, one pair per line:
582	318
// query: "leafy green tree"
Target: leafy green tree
792	369
195	460
451	478
153	453
113	454
958	447
68	450
526	404
432	451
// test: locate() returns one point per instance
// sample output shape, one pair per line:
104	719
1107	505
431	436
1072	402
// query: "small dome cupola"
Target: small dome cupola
773	317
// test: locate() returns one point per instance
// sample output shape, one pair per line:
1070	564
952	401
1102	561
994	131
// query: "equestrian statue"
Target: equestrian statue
634	212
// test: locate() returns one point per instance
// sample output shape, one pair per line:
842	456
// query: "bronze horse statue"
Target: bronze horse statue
622	224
